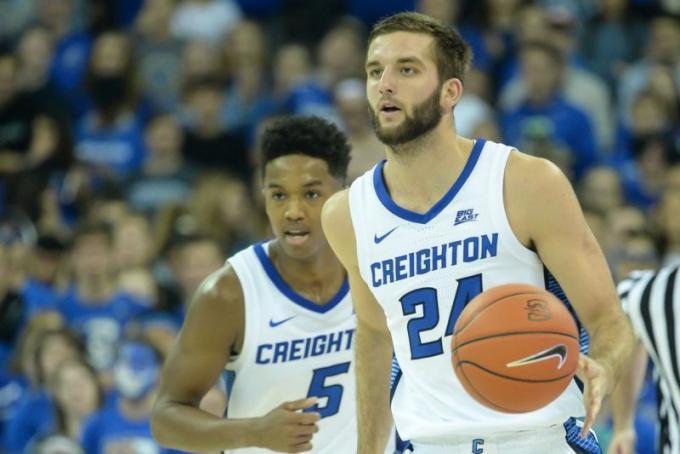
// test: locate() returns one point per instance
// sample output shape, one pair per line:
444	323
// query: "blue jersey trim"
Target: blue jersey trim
554	287
228	377
295	297
400	446
384	195
395	376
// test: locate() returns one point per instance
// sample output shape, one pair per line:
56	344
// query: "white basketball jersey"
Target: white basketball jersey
293	348
423	269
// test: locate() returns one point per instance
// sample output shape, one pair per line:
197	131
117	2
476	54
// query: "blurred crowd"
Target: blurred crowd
129	156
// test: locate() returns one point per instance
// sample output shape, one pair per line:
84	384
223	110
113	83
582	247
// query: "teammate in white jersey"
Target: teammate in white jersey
442	219
277	316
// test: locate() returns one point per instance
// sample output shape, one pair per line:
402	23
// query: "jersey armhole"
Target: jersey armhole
356	209
251	310
498	209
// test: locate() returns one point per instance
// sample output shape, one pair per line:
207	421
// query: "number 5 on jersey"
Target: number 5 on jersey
426	297
333	393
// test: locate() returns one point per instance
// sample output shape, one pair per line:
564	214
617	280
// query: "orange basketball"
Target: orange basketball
515	348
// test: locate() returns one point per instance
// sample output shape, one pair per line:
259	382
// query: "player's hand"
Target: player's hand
597	385
623	442
286	428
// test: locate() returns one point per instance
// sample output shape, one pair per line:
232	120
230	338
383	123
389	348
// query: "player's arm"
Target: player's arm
373	343
624	401
545	215
214	325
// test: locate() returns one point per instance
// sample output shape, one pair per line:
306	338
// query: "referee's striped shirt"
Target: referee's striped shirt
652	302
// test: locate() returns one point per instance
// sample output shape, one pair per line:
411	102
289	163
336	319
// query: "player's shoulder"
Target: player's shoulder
530	178
221	290
336	221
337	204
521	165
335	214
537	197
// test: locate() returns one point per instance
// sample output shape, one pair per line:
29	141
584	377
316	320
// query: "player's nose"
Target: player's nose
295	209
387	83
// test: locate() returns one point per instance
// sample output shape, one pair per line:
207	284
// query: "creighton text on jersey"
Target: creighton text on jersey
433	258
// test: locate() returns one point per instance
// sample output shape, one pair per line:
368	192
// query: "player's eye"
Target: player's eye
375	73
278	196
408	70
312	195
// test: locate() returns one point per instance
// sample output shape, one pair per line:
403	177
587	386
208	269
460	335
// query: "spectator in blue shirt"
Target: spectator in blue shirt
565	124
40	290
35	292
124	424
35	413
76	394
109	138
94	306
645	150
19	377
72	48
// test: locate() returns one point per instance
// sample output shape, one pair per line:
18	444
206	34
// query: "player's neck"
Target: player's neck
417	177
318	278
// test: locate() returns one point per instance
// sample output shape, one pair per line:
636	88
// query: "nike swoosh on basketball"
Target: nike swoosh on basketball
556	351
274	324
378	239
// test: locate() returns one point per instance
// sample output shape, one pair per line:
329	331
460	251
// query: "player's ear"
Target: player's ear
452	90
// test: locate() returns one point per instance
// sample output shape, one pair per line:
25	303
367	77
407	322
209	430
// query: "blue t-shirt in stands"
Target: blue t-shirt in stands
71	55
101	324
566	124
119	149
109	430
67	72
33	415
13	391
38	296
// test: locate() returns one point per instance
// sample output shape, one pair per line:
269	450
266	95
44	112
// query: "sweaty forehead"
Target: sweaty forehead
298	167
392	46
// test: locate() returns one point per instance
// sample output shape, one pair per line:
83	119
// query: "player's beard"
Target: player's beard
426	117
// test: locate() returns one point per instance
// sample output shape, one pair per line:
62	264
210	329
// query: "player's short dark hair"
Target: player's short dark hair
453	53
310	136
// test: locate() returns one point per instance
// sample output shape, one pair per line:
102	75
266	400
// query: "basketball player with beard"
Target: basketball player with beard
442	219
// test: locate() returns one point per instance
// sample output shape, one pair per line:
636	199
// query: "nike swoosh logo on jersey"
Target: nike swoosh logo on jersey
378	239
556	351
274	324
